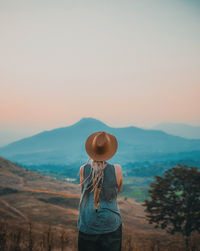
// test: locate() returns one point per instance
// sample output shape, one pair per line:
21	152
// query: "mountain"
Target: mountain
67	145
8	134
7	137
179	129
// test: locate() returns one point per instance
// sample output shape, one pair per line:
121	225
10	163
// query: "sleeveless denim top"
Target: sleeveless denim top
107	218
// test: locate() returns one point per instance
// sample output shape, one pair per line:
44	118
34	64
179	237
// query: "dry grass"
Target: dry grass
15	238
38	213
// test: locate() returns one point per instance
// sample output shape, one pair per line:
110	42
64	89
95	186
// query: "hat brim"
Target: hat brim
101	157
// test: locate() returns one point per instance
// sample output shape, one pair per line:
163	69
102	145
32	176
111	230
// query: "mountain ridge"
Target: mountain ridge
179	129
67	144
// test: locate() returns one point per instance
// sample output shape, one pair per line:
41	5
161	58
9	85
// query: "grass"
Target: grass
136	188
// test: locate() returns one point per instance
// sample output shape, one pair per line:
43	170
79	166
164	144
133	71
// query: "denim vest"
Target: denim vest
107	218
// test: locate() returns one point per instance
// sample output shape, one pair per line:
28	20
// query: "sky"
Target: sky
122	62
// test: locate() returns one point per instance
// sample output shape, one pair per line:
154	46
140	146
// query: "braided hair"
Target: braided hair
97	176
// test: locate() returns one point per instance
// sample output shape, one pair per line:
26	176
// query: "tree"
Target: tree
174	203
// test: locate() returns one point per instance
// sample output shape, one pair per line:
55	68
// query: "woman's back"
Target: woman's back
107	218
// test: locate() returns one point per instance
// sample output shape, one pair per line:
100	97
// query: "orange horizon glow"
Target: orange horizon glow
124	64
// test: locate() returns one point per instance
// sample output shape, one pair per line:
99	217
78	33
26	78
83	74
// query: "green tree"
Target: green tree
174	203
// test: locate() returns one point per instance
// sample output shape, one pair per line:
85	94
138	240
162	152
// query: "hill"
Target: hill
67	145
30	196
42	212
179	129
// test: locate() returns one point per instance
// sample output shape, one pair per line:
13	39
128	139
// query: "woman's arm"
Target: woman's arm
118	174
81	175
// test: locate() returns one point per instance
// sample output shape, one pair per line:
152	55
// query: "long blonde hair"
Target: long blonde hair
97	176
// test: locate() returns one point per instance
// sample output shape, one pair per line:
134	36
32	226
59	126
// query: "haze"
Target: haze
123	62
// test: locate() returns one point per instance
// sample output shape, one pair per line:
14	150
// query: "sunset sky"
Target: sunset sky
123	62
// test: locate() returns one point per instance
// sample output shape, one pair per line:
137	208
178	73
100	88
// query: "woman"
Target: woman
99	222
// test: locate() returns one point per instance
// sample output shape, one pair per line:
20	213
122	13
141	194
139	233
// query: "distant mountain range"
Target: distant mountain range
179	129
67	145
7	137
9	134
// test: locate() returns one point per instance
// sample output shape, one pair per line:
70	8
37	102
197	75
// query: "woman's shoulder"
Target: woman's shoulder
118	174
85	169
117	167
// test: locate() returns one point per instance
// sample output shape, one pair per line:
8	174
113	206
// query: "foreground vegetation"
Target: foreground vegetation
174	203
51	239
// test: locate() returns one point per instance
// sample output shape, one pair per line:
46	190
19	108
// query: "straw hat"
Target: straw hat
101	146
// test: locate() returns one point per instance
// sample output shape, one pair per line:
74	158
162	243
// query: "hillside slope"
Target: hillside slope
28	196
51	208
